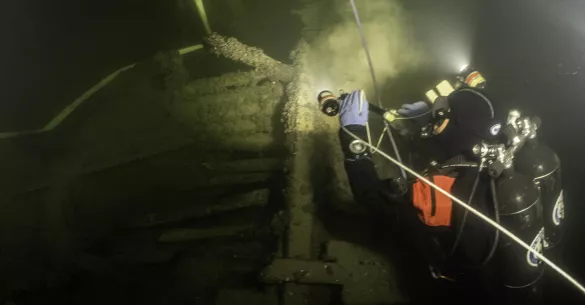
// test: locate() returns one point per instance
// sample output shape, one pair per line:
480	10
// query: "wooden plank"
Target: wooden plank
186	235
233	49
236	179
304	272
228	81
247	165
256	198
300	128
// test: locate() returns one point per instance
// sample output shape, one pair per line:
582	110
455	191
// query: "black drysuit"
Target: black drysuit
477	237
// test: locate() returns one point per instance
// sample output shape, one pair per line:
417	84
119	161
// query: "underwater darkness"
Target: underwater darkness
532	52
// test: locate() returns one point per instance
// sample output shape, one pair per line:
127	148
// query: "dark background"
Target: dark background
54	51
531	51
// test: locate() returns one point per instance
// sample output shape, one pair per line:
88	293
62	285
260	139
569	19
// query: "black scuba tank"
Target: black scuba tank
520	211
542	164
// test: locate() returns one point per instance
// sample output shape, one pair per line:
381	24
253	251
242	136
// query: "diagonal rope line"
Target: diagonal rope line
362	98
372	151
480	215
379	141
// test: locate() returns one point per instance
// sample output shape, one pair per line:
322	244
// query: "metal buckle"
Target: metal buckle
357	147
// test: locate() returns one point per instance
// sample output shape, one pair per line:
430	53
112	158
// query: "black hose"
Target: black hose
377	110
466	213
497	219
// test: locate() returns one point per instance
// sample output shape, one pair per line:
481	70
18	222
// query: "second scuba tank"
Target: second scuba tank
540	163
520	211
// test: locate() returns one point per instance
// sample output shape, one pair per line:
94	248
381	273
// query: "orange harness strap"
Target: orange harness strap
434	206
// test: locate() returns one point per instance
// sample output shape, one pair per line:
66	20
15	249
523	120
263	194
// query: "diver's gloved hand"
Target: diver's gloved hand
414	117
353	109
414	109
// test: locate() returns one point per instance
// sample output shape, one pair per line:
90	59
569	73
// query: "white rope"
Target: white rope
361	100
381	137
372	151
373	74
481	216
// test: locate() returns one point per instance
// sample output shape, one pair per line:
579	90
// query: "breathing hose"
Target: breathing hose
460	165
466	213
497	219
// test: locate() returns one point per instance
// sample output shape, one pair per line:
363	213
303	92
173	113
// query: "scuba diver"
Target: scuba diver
462	136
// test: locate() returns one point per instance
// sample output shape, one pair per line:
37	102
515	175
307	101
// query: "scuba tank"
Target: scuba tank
542	164
519	207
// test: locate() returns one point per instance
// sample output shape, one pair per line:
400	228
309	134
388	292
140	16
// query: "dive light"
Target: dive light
467	77
329	104
471	77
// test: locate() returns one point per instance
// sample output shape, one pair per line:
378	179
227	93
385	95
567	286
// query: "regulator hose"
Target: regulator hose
497	219
460	165
466	213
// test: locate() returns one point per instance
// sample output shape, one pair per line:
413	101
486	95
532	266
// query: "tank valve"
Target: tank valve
490	152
